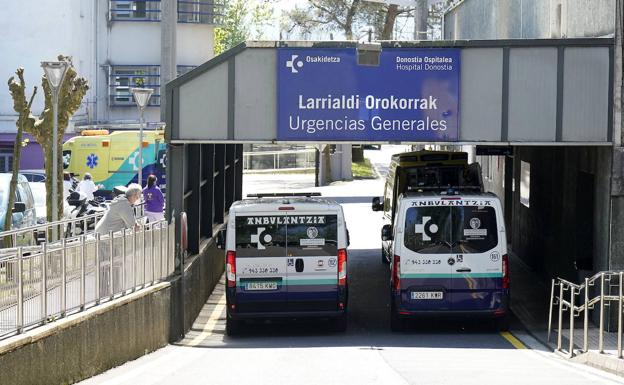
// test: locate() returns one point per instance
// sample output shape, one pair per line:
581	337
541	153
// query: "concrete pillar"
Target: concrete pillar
168	64
347	173
616	257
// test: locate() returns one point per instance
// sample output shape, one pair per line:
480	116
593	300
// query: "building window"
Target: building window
6	159
134	10
200	11
124	77
189	11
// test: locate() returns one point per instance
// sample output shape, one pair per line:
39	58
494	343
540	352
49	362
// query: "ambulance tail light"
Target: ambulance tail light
505	271
342	267
396	273
230	267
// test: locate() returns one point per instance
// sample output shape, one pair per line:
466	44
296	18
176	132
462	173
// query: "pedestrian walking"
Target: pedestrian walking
154	200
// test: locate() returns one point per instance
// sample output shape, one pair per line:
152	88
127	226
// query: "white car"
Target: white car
39	194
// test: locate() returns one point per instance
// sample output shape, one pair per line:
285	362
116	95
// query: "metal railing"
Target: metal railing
27	236
595	290
279	160
46	282
65	228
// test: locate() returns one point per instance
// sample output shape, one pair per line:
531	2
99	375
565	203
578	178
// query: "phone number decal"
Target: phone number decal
260	270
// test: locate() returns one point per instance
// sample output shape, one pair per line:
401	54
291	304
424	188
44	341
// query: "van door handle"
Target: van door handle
464	270
299	265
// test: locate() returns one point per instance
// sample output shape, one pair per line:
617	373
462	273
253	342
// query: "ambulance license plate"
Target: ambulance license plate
261	286
427	295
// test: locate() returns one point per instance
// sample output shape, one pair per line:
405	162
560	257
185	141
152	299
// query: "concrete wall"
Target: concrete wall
546	234
201	274
529	19
34	31
89	343
103	337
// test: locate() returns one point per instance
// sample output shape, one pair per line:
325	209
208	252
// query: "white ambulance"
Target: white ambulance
285	257
448	257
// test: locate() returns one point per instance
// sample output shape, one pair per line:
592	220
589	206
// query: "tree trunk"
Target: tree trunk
357	153
388	28
17	154
17	151
421	13
348	26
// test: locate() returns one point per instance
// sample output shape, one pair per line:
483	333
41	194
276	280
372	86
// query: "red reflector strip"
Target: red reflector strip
286	208
404	313
451	199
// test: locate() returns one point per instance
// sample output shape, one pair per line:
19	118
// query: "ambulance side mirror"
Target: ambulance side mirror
377	205
386	233
221	239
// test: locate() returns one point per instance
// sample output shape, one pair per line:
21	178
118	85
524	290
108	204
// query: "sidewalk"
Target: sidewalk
530	299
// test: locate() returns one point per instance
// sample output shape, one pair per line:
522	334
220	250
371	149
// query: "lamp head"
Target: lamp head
55	72
142	96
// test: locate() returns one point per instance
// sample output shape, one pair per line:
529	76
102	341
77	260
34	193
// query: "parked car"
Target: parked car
39	194
24	212
34	175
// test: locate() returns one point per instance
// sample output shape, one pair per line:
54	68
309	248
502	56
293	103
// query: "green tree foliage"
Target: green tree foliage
242	20
71	94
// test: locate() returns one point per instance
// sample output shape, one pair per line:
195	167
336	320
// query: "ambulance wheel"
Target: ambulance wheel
502	324
397	324
340	323
232	326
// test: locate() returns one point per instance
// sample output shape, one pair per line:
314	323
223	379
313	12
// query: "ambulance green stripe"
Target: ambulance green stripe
454	275
299	282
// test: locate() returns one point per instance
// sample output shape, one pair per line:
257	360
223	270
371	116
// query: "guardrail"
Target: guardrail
43	283
279	160
65	228
570	293
27	236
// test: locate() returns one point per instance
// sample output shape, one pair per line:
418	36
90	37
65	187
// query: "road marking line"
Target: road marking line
210	323
513	340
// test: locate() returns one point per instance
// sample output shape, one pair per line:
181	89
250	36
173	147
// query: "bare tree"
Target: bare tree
71	94
347	16
17	89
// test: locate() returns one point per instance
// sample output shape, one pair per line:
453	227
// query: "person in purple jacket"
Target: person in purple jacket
154	200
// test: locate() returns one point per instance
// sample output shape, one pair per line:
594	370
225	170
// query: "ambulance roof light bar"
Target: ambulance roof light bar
284	194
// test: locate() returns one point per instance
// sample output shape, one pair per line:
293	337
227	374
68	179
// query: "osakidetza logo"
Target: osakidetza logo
296	62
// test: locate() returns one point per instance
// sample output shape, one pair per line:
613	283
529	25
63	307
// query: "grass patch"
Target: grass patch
363	170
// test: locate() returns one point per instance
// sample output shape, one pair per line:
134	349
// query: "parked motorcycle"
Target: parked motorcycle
83	207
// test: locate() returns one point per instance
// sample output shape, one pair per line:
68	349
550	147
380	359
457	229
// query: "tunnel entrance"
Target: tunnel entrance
548	101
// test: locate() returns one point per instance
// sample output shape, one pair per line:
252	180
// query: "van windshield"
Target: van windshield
445	230
279	235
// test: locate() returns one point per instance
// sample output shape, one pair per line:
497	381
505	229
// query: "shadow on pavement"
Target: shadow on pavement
368	326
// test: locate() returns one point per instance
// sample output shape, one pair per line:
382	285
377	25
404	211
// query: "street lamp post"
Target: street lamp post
141	97
55	74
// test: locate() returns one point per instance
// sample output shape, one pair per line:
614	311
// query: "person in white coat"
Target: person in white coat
86	186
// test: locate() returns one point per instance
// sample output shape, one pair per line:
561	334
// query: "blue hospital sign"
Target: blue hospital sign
324	95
